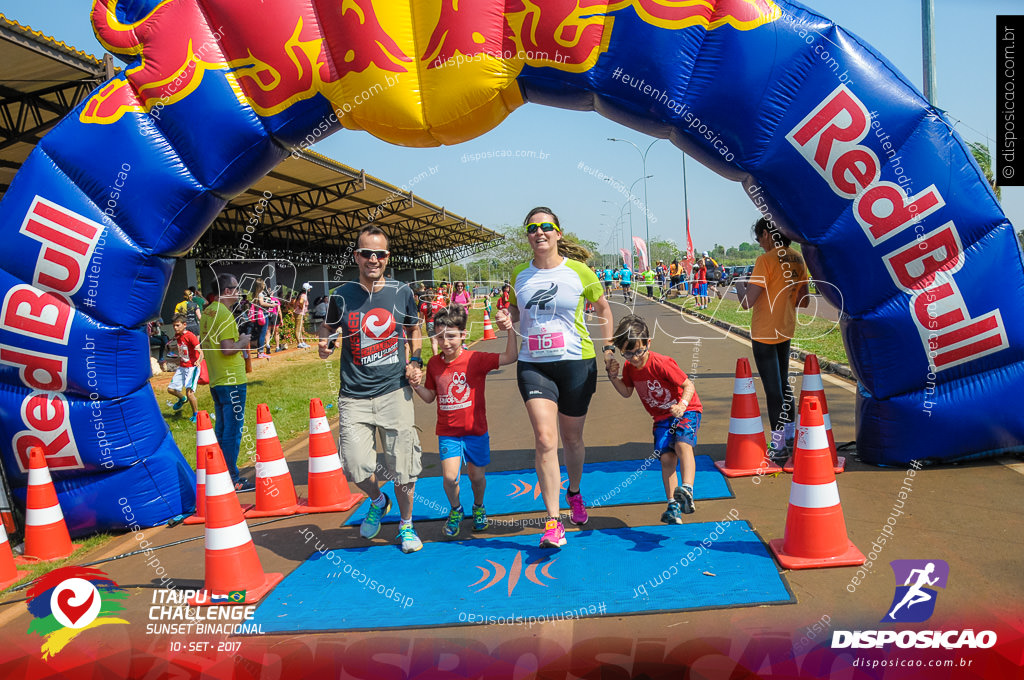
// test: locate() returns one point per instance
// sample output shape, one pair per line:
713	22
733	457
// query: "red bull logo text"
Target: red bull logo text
829	138
281	56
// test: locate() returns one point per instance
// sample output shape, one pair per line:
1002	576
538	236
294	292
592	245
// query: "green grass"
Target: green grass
814	335
286	384
34	571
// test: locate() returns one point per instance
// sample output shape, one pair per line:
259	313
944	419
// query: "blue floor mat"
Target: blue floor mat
633	570
516	491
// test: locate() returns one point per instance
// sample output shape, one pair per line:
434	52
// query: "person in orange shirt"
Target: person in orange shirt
777	286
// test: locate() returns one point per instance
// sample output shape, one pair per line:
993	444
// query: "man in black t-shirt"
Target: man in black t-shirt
378	327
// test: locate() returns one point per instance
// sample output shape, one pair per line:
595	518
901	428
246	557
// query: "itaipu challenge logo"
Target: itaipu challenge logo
70	600
914	601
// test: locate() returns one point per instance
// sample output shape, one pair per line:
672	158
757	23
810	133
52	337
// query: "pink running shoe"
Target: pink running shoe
577	510
554	534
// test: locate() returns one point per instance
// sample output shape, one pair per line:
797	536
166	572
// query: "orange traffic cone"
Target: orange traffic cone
746	452
488	330
204	439
813	386
8	571
815	528
46	534
232	565
275	492
327	486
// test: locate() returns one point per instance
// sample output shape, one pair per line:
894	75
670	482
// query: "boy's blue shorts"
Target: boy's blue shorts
703	290
475	449
686	432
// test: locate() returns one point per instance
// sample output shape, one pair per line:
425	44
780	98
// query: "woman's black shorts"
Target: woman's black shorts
570	383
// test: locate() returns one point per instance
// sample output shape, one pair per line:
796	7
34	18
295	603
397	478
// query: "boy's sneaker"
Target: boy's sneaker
684	497
577	509
451	527
192	419
371	523
176	406
480	522
673	514
410	541
554	534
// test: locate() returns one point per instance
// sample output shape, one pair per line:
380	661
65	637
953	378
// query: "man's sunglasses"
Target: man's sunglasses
369	253
543	226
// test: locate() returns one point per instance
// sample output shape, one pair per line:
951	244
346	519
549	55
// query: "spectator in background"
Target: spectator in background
259	313
462	297
777	286
274	319
300	306
427	311
222	347
675	274
319	310
158	339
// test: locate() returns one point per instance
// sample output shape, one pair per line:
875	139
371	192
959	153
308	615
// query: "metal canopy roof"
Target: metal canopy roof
317	207
43	79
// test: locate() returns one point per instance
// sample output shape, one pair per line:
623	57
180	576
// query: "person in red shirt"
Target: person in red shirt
503	299
187	373
671	399
428	308
456	378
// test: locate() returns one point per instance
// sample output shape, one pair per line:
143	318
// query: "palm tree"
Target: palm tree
984	159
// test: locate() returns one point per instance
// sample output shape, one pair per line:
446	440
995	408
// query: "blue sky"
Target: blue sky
498	191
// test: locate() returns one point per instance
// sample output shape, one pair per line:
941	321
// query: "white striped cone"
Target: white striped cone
46	534
204	439
813	386
232	564
9	573
275	493
327	486
815	529
745	450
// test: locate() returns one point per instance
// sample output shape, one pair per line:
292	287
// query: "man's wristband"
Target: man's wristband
608	348
418	360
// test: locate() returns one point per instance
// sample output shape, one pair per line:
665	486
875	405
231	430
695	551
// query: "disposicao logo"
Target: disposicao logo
914	602
69	600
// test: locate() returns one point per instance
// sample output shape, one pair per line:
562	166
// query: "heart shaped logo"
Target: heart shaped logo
75	603
73	612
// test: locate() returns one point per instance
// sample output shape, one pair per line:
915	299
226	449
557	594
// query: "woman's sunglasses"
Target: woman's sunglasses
369	253
543	226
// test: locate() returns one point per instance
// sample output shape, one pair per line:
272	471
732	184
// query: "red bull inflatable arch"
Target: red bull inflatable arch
827	138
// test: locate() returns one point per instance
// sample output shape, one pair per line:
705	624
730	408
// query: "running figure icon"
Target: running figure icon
916	595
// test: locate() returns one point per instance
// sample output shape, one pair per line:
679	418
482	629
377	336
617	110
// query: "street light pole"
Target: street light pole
643	160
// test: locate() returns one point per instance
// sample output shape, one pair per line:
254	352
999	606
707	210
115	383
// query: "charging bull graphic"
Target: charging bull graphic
826	138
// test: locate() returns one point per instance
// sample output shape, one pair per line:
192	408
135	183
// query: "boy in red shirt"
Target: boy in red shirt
187	373
456	377
671	399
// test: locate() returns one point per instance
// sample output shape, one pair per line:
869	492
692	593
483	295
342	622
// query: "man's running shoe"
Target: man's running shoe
451	527
480	522
192	419
176	406
410	541
684	497
554	534
371	523
577	509
673	514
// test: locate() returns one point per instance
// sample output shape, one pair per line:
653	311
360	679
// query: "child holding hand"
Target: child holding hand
455	377
671	399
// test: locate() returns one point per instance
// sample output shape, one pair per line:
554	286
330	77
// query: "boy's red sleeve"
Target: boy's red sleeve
490	361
